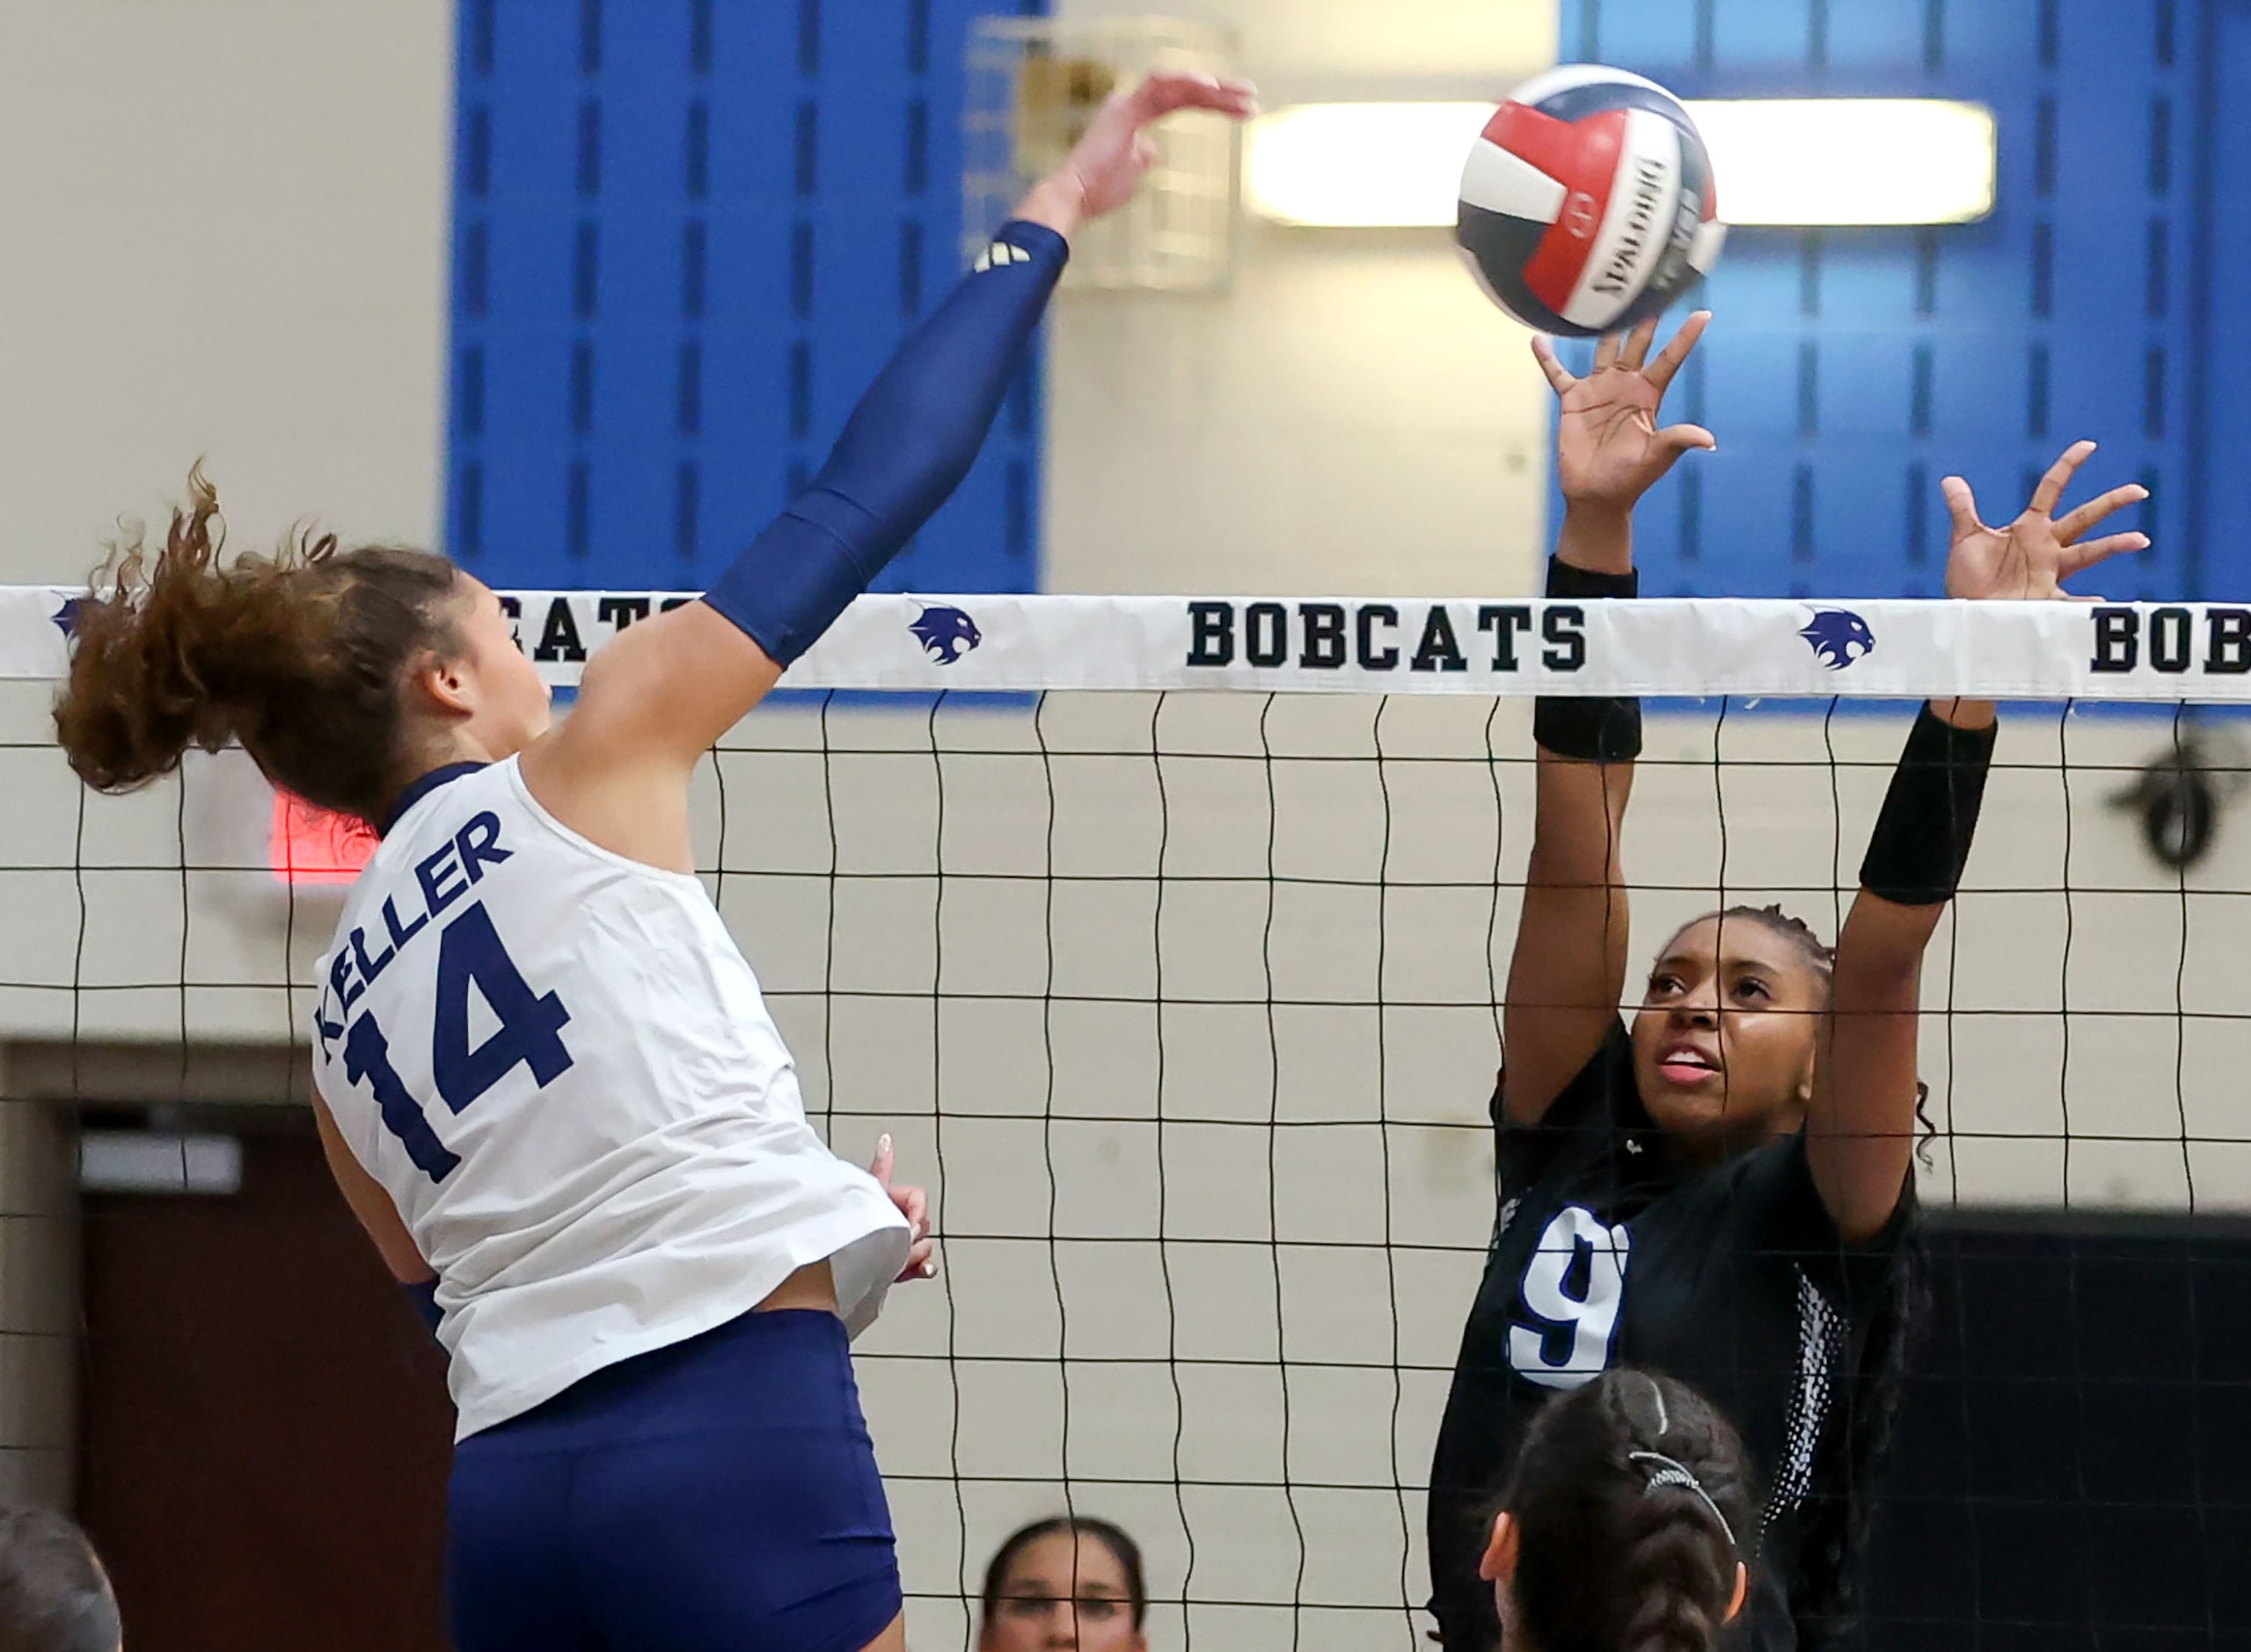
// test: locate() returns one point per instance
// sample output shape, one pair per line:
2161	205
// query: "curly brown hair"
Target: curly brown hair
302	657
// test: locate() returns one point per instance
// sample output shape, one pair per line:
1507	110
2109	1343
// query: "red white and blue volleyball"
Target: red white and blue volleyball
1588	202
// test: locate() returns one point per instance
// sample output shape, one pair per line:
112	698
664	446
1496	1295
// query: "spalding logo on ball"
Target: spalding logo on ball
1588	203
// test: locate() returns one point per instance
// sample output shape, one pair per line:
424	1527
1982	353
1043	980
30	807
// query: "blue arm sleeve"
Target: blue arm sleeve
906	449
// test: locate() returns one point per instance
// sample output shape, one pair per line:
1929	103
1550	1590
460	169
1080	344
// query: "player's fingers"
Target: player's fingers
2081	557
1635	350
1961	504
914	1204
1669	359
922	1263
1164	90
1606	349
1551	364
1681	438
2059	477
2068	527
1231	95
880	1166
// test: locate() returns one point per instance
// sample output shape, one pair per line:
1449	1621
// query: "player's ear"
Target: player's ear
435	684
1498	1564
1742	1589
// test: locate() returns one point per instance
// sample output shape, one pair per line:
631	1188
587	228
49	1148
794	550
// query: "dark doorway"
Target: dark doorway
264	1429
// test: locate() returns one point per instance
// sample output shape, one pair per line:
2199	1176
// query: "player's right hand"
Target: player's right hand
1106	166
914	1204
1609	450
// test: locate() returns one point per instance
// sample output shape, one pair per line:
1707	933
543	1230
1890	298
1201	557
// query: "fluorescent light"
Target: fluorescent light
1361	165
1778	161
1849	160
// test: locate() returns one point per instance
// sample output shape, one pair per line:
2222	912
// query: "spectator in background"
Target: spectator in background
53	1595
1068	1582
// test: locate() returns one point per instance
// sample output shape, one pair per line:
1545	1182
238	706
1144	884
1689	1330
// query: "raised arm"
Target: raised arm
656	699
1860	1130
1568	969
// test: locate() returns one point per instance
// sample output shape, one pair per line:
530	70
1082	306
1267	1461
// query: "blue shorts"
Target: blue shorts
719	1493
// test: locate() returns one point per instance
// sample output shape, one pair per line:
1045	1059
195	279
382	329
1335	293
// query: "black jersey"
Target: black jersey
1609	1251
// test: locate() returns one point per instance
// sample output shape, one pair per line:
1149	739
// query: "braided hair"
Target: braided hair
1833	1520
1633	1502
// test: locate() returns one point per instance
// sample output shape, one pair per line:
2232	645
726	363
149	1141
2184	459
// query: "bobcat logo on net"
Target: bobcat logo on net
946	633
1838	637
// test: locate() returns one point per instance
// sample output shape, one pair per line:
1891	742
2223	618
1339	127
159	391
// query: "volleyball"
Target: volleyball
1588	203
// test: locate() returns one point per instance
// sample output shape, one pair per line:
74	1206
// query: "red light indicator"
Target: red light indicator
314	845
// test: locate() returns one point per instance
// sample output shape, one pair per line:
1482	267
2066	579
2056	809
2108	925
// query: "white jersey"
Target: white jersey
560	1065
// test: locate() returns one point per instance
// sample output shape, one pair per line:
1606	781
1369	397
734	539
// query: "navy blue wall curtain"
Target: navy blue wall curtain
1848	369
686	234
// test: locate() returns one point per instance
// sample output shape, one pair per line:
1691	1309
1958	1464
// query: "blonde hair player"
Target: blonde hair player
548	1083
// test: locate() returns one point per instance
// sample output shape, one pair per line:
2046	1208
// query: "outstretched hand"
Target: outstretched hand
1609	450
1106	166
2030	558
914	1204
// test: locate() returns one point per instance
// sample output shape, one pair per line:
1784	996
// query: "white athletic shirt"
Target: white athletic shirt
560	1066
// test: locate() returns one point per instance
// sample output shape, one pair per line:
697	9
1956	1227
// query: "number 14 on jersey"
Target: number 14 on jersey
470	955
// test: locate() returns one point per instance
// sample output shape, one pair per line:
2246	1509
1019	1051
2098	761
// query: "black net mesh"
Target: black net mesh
1187	1008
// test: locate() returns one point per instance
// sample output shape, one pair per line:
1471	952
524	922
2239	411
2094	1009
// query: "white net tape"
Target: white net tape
1698	646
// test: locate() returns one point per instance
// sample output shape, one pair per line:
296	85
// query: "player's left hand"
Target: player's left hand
1106	166
914	1204
2029	558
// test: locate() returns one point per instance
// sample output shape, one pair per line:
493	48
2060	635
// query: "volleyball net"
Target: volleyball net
1168	939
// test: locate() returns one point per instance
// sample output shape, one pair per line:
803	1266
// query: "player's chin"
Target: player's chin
1695	1105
